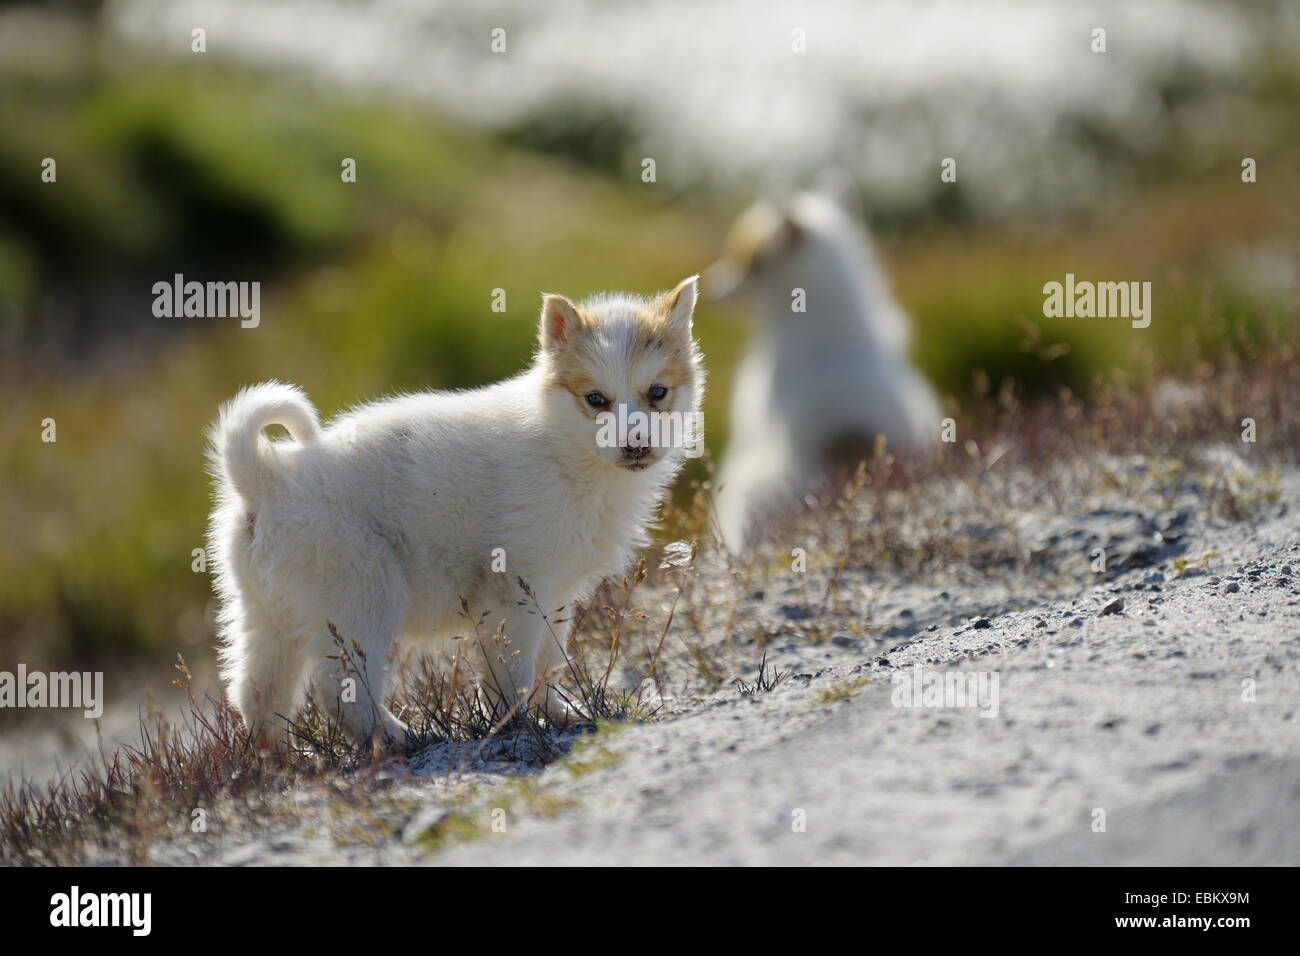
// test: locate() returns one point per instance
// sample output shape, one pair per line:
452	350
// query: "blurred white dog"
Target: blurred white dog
827	371
403	516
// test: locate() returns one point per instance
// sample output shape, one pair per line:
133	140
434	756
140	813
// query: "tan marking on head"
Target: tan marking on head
759	233
576	381
679	371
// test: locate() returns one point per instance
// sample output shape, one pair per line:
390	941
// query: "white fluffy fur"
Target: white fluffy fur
382	522
839	369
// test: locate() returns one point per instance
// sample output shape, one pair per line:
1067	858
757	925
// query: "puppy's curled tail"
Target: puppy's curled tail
237	447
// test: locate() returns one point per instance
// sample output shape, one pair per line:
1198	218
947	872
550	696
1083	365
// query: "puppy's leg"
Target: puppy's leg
552	665
761	480
352	682
262	672
510	656
735	501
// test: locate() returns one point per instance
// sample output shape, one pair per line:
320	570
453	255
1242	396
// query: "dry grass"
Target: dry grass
765	682
141	792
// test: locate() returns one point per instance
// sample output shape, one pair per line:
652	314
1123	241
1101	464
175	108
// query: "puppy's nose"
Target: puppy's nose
637	442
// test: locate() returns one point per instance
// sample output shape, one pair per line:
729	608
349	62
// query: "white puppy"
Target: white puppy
384	522
827	371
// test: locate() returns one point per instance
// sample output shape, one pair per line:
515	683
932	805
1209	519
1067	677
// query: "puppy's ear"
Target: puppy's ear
679	305
789	232
560	321
722	280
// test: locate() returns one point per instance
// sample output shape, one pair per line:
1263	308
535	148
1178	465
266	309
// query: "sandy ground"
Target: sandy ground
1139	714
1151	719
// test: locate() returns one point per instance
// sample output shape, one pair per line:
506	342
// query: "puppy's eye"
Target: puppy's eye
658	393
596	400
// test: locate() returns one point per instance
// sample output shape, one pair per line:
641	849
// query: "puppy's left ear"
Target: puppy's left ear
679	305
560	320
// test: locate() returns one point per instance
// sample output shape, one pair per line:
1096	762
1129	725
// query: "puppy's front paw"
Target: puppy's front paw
558	711
396	734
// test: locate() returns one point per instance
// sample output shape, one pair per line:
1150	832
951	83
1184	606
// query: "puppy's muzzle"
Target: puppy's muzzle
636	456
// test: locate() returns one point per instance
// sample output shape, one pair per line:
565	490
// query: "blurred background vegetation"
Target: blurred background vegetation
224	166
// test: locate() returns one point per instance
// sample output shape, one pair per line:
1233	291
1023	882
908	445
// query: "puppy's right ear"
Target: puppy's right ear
790	230
560	321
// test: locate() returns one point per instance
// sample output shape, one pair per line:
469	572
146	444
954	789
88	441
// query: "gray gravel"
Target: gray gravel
1139	714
